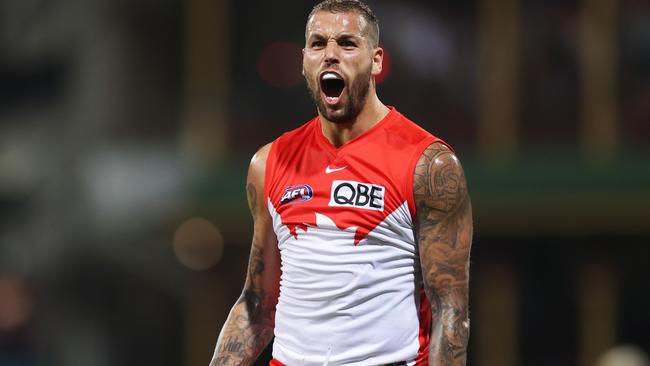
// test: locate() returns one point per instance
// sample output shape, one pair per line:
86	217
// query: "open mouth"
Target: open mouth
332	85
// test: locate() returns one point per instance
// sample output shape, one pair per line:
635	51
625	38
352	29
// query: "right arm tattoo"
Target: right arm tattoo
249	326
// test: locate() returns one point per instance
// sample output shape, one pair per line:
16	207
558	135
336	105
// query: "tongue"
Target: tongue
332	100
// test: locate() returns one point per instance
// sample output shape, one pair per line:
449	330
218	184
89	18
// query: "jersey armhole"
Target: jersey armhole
411	170
268	173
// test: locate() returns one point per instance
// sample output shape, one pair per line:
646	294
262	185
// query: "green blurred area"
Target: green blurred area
559	193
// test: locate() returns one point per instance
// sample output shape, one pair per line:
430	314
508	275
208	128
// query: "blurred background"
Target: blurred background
126	128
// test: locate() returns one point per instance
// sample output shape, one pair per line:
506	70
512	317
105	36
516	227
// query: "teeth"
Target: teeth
330	76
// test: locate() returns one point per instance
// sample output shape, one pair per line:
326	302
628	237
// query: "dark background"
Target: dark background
126	128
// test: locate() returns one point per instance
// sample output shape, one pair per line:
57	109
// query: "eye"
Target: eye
317	44
347	43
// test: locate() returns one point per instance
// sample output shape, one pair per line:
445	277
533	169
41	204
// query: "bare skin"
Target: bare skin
249	327
444	235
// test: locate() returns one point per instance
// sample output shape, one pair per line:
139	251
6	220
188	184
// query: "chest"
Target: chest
353	190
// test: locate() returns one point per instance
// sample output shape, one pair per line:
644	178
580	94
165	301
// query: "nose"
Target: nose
331	53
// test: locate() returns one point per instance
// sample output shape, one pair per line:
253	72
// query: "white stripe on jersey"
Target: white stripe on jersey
359	301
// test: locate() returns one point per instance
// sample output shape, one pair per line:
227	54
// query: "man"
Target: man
362	224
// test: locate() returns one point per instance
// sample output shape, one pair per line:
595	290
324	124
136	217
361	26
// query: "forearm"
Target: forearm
244	336
449	334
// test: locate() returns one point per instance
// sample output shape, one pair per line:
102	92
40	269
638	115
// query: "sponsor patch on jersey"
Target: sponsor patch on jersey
297	194
348	193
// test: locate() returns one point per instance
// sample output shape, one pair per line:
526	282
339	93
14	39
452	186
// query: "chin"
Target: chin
341	115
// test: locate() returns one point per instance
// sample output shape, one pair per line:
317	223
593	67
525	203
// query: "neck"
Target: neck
340	133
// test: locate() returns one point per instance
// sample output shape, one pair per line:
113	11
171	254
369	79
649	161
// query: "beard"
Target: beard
357	92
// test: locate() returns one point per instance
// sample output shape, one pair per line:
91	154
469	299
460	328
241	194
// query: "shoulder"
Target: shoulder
438	153
410	133
257	164
255	179
298	132
282	142
439	182
410	124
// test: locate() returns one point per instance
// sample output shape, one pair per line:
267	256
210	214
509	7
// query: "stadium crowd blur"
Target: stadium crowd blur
126	129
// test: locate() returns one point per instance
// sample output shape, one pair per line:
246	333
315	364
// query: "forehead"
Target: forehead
328	23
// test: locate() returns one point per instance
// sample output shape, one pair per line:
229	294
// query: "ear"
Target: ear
377	60
303	62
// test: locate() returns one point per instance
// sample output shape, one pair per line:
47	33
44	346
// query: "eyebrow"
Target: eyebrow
346	36
342	36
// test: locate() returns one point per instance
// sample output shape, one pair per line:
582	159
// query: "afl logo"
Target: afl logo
301	192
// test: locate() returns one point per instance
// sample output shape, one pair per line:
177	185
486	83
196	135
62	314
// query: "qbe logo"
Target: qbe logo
301	192
356	194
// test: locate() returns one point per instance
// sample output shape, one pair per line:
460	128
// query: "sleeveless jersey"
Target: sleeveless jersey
351	285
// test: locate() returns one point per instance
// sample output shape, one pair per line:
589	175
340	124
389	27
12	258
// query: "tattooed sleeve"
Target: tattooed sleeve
444	233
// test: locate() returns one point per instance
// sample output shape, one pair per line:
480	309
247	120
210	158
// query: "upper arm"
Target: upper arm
261	289
443	226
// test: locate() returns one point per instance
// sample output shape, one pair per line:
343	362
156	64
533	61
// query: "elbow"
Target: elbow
261	311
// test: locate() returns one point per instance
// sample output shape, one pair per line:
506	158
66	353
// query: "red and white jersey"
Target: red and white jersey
351	285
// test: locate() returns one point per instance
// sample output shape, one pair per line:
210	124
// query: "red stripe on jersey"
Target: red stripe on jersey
275	362
425	330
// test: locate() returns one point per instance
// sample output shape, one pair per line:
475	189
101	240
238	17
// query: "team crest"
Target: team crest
297	194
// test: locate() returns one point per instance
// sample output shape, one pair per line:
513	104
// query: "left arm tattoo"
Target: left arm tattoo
443	231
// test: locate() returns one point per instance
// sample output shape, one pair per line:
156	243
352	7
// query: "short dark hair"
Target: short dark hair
346	6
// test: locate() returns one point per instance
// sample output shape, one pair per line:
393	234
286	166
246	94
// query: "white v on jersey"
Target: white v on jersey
351	286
